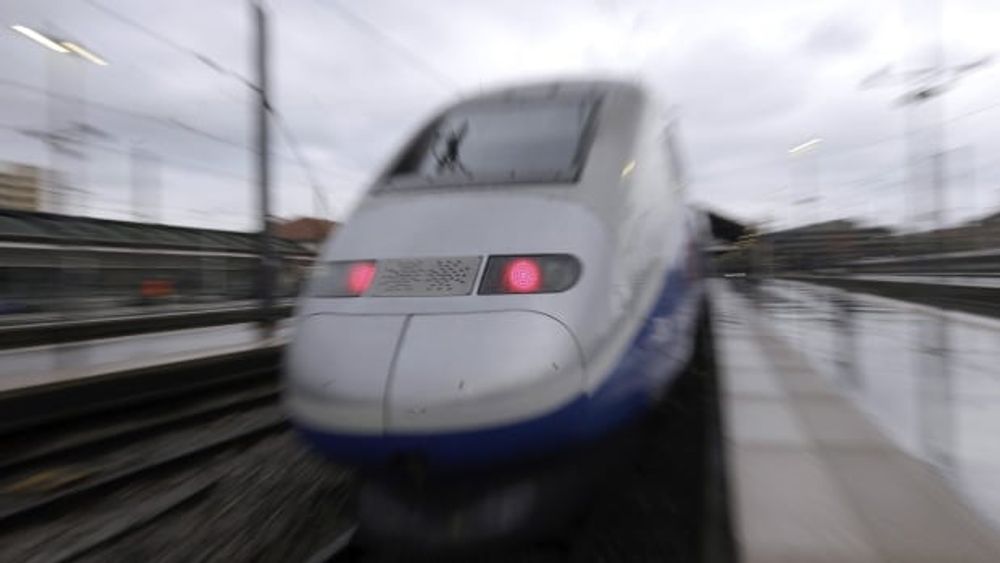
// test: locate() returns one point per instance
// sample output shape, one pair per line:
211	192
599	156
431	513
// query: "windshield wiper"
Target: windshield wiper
450	160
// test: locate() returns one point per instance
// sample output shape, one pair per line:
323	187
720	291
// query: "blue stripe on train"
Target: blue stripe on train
647	366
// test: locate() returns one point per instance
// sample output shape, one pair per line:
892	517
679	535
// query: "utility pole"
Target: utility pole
55	187
57	139
806	175
146	197
65	142
924	115
266	273
136	157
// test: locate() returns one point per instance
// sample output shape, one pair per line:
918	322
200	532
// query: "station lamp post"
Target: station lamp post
811	174
55	139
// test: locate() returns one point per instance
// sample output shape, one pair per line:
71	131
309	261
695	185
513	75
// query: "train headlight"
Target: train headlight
344	279
538	273
360	276
521	275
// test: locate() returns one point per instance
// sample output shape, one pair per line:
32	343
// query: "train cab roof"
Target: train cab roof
539	135
554	90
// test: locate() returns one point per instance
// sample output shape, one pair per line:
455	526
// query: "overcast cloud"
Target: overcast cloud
748	81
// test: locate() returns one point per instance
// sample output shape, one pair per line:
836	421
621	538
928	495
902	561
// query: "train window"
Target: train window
500	142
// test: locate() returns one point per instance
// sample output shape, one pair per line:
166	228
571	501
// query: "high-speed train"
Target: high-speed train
522	278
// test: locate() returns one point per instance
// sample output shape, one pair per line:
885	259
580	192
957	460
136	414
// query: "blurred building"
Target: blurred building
726	232
846	247
830	245
46	258
978	234
309	232
826	244
21	187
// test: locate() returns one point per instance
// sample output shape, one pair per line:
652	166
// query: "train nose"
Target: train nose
339	366
469	371
429	373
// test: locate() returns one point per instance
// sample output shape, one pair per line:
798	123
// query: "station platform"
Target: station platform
974	281
23	369
95	309
75	324
811	478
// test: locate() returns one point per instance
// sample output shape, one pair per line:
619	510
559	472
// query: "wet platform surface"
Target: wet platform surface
982	281
814	474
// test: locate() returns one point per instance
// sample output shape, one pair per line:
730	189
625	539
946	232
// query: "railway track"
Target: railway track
131	392
41	491
69	442
209	473
63	331
69	462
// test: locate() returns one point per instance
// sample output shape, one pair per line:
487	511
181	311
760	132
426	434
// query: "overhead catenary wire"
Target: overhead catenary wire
392	44
323	208
160	120
297	155
187	164
169	122
199	56
842	150
291	140
109	204
348	16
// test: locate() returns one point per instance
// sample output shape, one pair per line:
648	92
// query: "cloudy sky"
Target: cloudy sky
748	80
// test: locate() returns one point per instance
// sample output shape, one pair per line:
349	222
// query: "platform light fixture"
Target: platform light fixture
39	38
60	46
86	54
805	146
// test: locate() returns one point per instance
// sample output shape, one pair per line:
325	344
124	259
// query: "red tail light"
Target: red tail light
522	275
350	278
539	273
360	276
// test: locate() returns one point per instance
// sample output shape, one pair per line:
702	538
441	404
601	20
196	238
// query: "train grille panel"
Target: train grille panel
425	277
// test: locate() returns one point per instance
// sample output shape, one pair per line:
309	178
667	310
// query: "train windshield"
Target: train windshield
500	142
